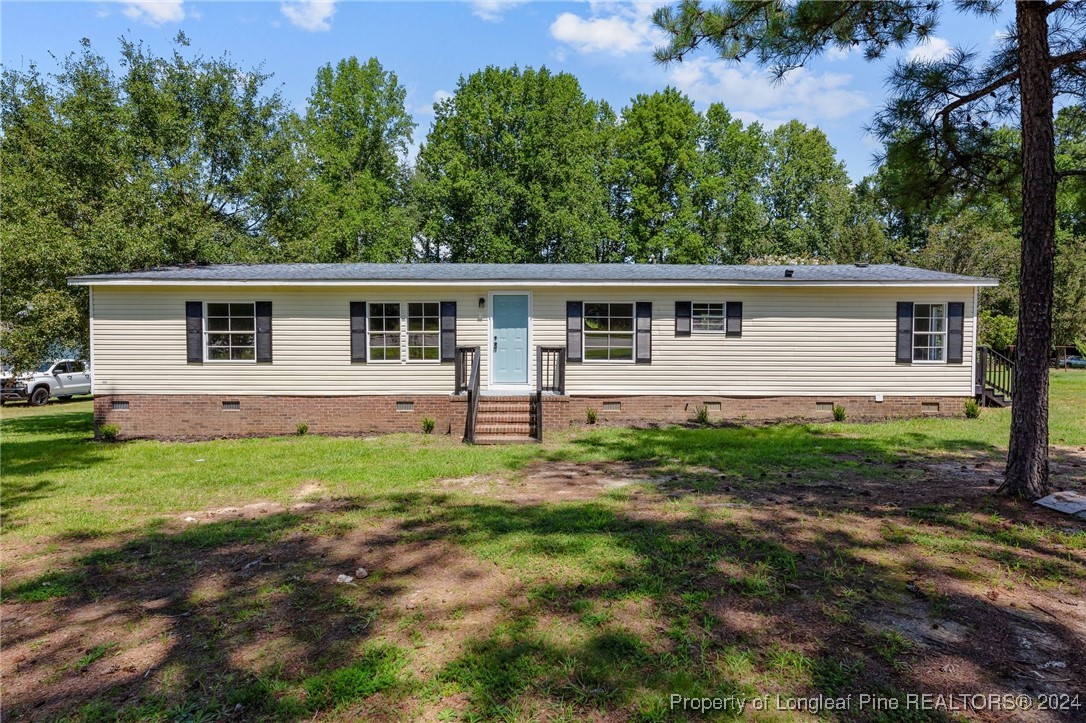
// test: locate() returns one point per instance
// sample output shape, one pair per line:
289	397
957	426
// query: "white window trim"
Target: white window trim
633	334
404	339
945	333
712	332
207	332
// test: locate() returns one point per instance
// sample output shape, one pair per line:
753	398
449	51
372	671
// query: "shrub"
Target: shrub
109	432
302	428
428	425
972	408
590	415
701	414
839	413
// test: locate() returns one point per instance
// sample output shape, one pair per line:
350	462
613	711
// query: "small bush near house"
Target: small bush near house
972	408
839	413
108	432
302	428
701	414
590	415
428	425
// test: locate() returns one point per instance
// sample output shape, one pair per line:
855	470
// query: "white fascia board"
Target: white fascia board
526	283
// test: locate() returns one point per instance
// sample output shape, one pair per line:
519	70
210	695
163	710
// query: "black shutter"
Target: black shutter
264	331
358	331
904	332
194	330
682	318
574	334
643	320
448	331
734	317
955	327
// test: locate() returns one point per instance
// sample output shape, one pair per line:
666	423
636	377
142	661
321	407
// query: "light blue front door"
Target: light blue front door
510	343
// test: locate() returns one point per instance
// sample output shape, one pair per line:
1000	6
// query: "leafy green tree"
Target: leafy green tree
177	160
508	172
996	330
734	160
355	202
941	119
659	169
806	191
864	237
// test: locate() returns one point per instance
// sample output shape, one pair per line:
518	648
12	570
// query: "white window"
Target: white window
929	332
383	332
707	316
424	331
230	332
608	332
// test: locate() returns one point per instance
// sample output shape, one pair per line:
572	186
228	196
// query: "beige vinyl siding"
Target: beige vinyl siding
799	341
796	341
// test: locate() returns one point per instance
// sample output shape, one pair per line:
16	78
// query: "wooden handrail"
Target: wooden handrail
471	385
995	372
550	376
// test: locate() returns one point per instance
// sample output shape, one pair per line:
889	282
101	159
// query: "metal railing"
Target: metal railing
467	379
995	372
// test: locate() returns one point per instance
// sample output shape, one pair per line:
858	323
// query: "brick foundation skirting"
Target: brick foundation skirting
208	416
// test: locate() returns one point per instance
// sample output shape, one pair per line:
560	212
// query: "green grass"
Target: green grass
591	607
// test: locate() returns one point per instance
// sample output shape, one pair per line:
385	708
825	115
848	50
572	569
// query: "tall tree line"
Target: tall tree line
188	159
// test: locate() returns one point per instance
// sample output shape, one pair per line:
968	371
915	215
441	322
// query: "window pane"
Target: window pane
392	310
621	324
414	309
414	323
218	324
242	340
594	323
621	354
218	309
218	340
218	354
244	323
241	310
596	354
432	324
595	309
922	324
622	310
245	352
622	340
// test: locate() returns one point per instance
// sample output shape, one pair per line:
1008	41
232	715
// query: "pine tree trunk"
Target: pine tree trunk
1027	460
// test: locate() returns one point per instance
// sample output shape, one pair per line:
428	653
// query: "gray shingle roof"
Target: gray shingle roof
550	273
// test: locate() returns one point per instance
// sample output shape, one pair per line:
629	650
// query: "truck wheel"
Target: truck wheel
39	397
65	398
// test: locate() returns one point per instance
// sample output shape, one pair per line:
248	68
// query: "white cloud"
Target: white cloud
154	12
933	48
835	54
617	29
311	15
440	95
492	10
752	94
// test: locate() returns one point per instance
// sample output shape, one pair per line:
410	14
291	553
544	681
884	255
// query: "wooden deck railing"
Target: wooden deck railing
550	376
995	373
467	379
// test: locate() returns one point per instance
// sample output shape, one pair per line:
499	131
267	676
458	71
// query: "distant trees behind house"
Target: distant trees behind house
182	158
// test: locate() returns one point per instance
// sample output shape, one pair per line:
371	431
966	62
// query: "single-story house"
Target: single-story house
504	351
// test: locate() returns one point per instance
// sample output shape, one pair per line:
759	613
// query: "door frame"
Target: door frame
490	383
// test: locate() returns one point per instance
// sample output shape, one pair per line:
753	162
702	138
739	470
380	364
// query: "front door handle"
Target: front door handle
495	343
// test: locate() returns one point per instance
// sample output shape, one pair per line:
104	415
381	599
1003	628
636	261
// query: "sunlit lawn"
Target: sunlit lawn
730	560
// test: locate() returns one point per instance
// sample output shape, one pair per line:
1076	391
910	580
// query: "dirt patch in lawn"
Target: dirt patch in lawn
584	591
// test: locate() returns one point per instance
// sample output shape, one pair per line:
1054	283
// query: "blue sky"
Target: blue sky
429	45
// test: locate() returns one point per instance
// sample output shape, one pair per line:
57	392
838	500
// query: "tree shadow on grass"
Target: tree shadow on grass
724	576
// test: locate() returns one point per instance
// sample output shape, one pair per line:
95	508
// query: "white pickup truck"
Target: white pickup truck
62	379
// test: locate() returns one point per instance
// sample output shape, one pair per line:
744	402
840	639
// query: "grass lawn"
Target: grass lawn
591	577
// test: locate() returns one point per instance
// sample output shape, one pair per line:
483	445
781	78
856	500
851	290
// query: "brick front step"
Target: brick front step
523	428
503	439
515	407
489	417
